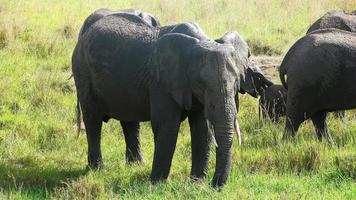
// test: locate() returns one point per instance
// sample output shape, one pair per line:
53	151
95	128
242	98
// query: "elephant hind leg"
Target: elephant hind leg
201	139
92	118
132	139
291	128
294	117
319	121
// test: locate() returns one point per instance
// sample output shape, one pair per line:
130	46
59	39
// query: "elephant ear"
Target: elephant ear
236	41
169	64
242	52
150	19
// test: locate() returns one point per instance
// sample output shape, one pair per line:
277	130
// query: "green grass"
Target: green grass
41	157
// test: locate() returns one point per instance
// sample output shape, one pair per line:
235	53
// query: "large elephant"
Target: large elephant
100	13
130	71
335	19
131	129
321	74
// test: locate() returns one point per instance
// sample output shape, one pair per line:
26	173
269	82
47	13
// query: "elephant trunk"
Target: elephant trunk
223	117
223	134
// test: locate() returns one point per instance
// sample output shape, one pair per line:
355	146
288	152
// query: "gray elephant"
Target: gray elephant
131	129
100	13
335	19
321	72
273	103
255	82
131	71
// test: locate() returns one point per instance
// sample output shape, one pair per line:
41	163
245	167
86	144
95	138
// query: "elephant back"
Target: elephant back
100	13
118	40
335	19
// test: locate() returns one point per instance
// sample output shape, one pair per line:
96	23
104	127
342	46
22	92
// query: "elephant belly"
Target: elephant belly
343	95
121	99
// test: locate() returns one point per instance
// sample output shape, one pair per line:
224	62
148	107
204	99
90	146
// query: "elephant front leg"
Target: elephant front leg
165	121
201	139
319	121
132	139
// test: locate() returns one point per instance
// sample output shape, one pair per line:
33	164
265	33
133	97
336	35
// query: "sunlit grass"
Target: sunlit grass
41	156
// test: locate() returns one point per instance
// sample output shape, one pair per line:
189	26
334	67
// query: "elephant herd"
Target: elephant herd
129	67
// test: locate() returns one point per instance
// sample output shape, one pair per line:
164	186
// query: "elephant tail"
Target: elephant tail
259	110
282	75
79	117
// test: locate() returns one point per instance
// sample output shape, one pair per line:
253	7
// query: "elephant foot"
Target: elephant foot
134	158
157	179
218	182
197	176
95	165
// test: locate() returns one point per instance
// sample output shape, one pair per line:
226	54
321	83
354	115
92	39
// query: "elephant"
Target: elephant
102	12
335	19
131	129
273	99
273	102
255	82
321	72
145	73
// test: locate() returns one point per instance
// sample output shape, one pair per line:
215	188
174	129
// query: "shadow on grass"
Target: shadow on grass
31	177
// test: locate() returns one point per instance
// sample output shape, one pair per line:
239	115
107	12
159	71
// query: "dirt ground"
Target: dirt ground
269	65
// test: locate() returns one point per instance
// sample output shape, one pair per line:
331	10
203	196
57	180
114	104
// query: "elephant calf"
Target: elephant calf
273	102
321	72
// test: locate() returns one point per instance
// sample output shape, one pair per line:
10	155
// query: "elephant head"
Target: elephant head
254	81
210	72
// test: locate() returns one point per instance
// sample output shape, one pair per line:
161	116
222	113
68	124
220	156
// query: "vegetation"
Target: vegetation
42	157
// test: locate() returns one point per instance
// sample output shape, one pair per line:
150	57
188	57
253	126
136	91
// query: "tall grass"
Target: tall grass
40	156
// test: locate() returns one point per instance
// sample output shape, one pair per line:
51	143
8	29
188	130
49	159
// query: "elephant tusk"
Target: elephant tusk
237	129
211	130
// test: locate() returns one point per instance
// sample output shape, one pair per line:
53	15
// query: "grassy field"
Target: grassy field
41	156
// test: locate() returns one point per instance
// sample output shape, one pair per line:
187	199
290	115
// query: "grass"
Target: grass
41	157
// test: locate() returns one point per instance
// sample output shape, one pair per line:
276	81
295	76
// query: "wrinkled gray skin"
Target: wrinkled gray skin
273	102
335	19
321	72
338	19
255	82
130	129
123	70
100	13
